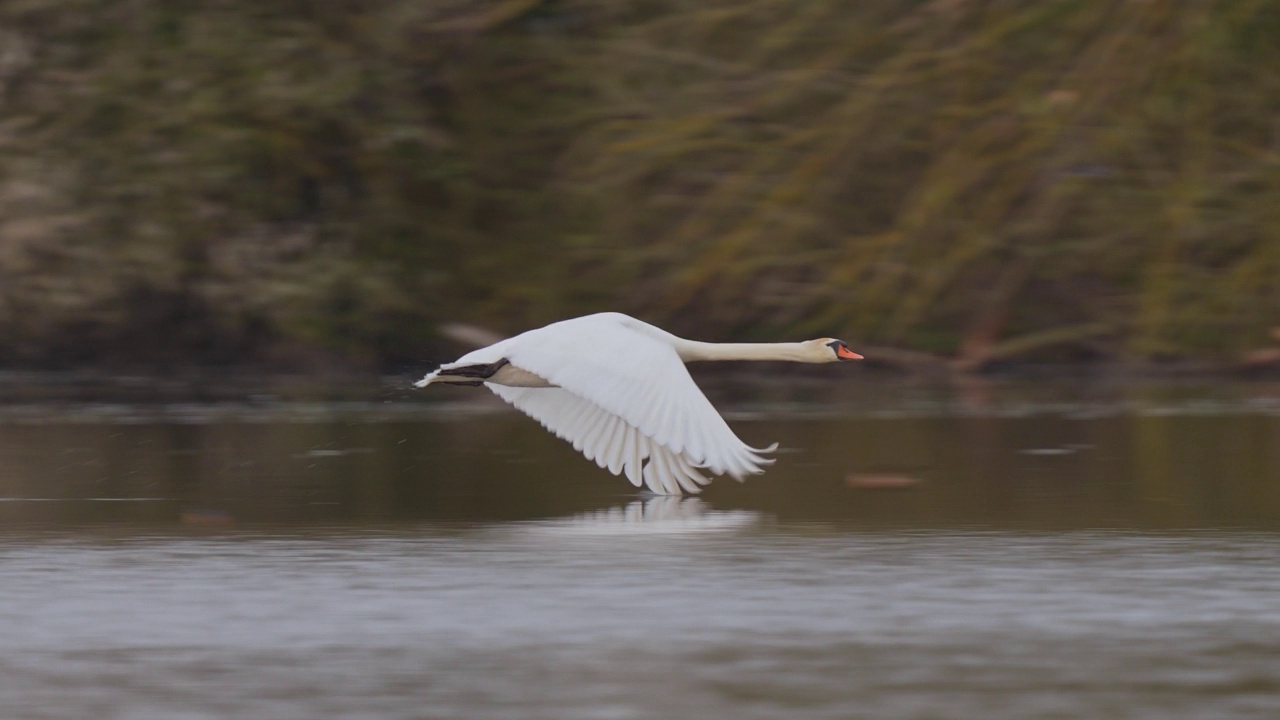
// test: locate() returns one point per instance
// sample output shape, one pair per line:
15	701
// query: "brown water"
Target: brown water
996	551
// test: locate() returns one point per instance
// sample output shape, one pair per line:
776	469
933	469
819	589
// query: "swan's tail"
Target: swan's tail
427	379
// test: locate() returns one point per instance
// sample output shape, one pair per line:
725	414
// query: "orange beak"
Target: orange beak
845	353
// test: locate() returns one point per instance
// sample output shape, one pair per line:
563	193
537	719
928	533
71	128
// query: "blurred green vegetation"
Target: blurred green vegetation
298	184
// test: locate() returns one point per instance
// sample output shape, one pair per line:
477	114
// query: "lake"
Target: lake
987	549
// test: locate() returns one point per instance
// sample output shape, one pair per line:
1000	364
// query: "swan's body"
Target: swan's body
618	390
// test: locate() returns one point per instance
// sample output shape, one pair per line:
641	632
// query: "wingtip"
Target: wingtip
426	380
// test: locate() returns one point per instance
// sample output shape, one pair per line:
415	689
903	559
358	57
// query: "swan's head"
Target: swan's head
831	350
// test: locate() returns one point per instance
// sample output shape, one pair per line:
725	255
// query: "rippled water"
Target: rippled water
1022	559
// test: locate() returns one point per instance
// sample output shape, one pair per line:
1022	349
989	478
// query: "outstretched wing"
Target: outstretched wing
606	439
624	397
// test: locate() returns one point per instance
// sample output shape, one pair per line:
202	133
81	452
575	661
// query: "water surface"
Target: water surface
998	552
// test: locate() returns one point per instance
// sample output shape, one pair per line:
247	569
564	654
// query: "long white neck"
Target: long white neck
692	350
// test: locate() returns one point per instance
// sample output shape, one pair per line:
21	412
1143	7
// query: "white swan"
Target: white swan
618	390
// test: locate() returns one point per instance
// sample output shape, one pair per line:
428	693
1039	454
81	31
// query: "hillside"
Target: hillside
301	184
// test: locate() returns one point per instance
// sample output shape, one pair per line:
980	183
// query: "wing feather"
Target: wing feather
667	474
639	379
630	453
604	449
655	474
570	418
591	433
632	461
616	445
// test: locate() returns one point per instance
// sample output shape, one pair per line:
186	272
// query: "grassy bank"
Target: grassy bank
295	184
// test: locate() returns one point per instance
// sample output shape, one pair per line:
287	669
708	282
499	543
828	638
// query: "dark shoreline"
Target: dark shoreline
215	384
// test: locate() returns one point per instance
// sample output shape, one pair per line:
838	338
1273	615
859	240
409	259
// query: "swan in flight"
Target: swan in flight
618	390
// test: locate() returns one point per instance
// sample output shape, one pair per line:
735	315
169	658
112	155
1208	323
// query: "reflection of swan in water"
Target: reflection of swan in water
659	514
